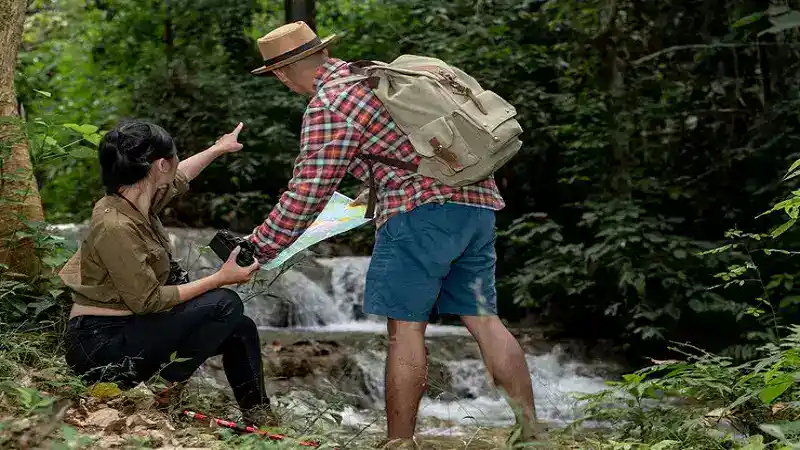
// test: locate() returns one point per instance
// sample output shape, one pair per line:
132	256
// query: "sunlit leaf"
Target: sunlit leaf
44	93
775	388
105	390
783	228
94	138
84	152
793	167
50	141
85	129
747	20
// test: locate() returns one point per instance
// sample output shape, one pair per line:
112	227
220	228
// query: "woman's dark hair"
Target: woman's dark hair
128	151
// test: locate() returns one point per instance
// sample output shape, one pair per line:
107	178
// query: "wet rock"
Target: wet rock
142	397
302	359
102	418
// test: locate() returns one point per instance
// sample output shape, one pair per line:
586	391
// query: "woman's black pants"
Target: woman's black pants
172	344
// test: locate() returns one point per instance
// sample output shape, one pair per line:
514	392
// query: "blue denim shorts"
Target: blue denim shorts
435	256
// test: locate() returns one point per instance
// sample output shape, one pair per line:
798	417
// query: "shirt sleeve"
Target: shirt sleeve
124	254
178	187
328	143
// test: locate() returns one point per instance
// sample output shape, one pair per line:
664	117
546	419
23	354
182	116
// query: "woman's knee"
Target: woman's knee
229	305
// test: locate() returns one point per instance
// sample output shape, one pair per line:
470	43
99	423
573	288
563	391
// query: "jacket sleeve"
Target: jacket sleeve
124	254
178	187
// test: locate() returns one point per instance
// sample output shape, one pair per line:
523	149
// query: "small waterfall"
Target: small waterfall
348	276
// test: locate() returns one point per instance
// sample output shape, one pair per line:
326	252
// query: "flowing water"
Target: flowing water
320	299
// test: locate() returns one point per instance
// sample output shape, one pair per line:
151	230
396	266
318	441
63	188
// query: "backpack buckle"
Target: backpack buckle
437	147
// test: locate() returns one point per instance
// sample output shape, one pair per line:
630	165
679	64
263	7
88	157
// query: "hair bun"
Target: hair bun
127	152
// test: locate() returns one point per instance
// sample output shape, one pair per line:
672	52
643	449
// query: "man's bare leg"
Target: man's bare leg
406	377
505	361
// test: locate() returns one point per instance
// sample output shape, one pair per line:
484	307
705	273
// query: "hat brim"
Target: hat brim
323	44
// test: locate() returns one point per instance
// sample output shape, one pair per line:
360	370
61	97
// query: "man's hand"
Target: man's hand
229	143
362	199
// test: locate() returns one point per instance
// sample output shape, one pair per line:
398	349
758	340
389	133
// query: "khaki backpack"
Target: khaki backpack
462	132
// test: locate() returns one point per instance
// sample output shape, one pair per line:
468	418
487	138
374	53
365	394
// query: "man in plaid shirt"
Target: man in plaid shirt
434	246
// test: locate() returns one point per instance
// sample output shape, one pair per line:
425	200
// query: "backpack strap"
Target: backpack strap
360	72
373	196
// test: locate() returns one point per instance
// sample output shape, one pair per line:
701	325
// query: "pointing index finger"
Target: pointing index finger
238	129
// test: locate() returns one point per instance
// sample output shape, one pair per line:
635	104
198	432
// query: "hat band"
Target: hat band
294	52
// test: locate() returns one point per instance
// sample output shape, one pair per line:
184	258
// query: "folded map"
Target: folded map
336	218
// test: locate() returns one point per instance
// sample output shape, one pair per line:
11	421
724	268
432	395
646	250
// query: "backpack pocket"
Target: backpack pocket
491	125
440	140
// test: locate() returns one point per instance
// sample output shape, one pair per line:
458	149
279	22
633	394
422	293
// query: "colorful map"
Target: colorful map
337	217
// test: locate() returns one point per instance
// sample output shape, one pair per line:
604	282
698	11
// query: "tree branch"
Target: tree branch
679	48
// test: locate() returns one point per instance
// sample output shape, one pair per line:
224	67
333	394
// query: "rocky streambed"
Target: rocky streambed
318	341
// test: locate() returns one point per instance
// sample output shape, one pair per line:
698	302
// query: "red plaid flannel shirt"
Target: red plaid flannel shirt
341	122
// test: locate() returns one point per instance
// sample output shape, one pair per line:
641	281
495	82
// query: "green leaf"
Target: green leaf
783	228
747	20
105	390
44	93
755	443
69	433
174	358
775	388
41	306
783	22
793	167
48	140
85	129
790	301
791	175
777	10
664	445
773	430
82	152
94	138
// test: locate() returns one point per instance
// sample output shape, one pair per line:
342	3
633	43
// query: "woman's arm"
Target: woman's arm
192	166
124	255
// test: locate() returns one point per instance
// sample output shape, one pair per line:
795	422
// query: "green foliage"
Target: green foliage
705	400
33	303
651	128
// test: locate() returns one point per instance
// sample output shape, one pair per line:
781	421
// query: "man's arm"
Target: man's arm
328	144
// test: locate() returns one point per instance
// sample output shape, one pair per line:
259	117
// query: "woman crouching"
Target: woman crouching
134	307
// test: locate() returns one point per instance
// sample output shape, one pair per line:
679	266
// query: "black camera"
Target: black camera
224	242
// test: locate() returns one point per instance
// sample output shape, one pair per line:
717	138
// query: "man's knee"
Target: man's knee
481	325
400	330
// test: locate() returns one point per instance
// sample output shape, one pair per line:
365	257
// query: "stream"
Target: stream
316	337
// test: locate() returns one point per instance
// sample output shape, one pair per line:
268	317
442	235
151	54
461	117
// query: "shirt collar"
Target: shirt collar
332	69
123	206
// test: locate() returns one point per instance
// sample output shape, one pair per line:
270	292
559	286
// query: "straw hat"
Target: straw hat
287	44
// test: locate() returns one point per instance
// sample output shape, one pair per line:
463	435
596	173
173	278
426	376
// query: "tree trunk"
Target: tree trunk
300	10
19	195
